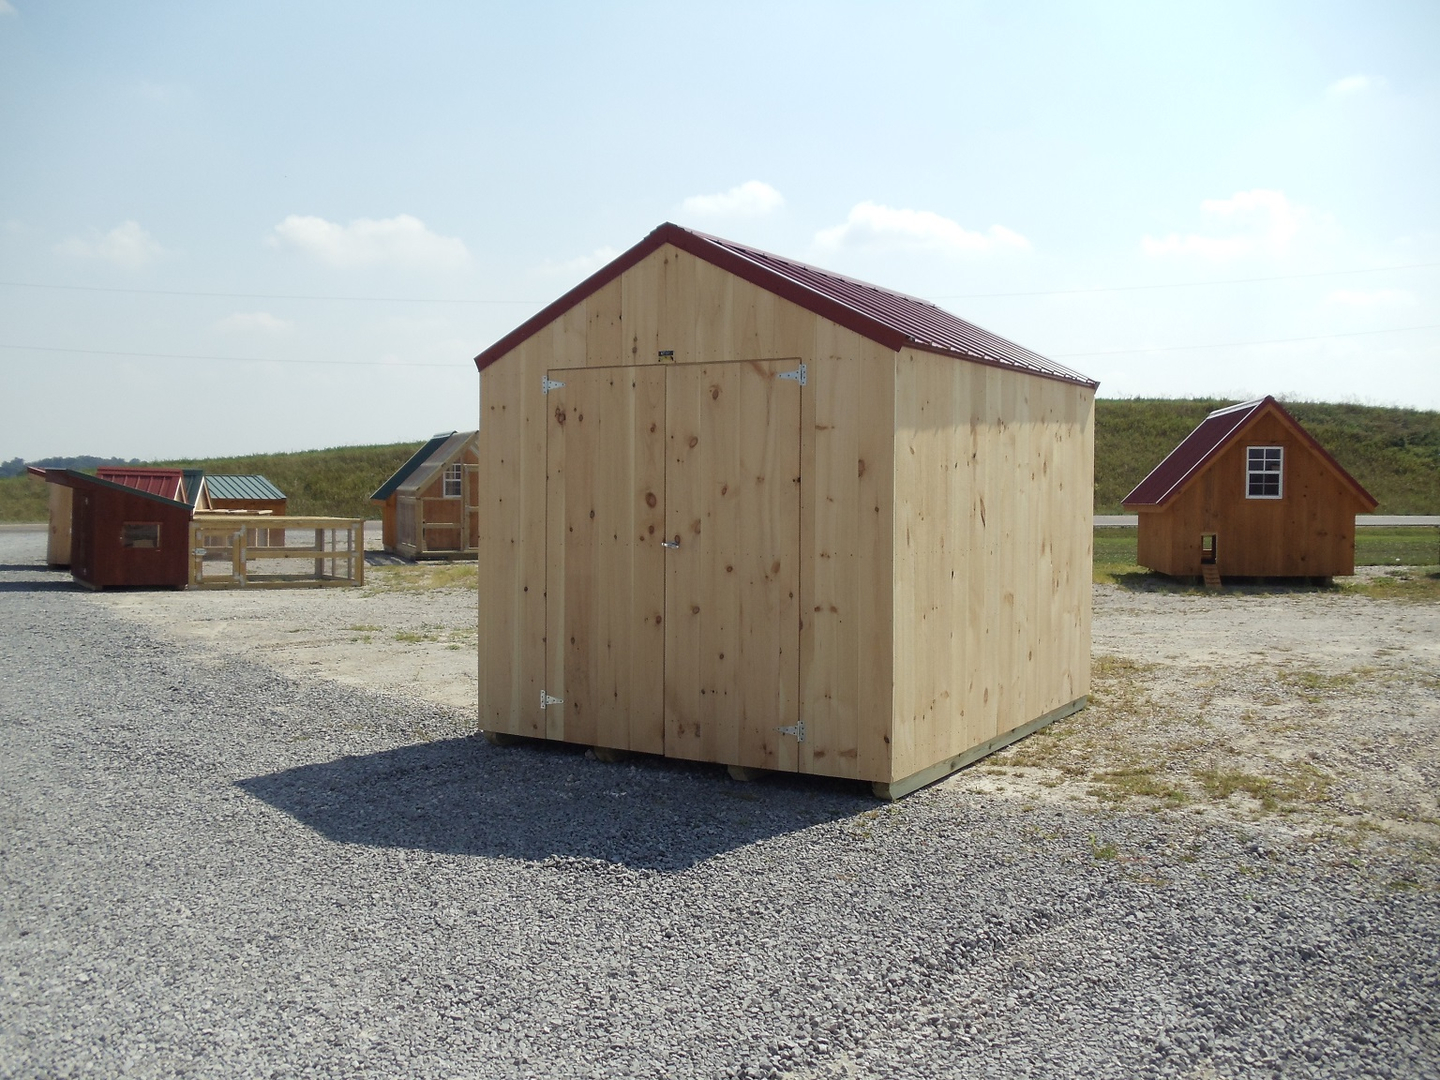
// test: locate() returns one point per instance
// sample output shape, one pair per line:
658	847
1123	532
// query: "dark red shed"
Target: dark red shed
124	537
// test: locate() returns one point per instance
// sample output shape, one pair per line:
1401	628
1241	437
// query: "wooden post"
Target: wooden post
237	555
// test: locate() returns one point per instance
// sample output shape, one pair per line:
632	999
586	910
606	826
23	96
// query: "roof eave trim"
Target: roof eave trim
1013	367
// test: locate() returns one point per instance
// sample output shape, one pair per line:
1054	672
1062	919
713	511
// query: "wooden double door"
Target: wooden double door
673	559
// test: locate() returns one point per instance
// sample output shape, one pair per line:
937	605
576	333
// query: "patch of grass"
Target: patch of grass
362	628
1304	784
1137	781
1416	584
1221	784
1103	852
1384	545
420	577
415	637
1313	686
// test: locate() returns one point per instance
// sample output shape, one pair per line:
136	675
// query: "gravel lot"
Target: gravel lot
218	861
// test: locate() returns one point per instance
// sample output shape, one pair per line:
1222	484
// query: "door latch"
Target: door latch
668	544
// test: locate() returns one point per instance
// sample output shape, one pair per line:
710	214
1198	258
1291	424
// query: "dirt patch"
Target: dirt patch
1312	711
410	631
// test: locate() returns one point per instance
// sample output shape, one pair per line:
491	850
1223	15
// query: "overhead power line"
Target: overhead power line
1235	344
539	303
1185	284
261	296
461	363
227	359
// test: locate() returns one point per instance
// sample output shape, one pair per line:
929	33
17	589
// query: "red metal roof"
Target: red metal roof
74	478
1214	432
889	318
167	483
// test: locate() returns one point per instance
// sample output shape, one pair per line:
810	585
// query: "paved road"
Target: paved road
1103	521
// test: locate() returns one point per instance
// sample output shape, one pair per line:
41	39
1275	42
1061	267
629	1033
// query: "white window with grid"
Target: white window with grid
1264	472
454	481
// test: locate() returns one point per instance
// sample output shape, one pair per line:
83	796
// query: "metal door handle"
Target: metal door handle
668	544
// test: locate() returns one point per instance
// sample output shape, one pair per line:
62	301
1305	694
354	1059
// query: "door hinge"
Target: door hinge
546	700
547	384
798	730
798	375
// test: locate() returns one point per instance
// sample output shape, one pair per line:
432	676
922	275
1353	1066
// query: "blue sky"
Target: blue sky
309	217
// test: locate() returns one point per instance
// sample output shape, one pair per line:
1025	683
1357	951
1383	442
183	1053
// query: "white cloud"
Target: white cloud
1268	223
1352	85
581	266
399	241
6	9
246	322
750	199
872	225
126	245
1372	298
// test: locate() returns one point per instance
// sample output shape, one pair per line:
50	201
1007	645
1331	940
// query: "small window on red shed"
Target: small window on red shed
1264	472
454	477
140	534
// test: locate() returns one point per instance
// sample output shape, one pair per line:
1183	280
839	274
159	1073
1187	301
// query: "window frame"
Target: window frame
131	537
454	475
1260	477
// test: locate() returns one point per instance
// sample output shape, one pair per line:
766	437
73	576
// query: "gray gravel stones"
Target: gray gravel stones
211	869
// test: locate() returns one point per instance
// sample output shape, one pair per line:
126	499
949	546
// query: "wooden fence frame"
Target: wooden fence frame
338	552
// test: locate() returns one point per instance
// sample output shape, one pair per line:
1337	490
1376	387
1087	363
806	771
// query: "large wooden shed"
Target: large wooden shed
429	506
1248	493
124	536
737	509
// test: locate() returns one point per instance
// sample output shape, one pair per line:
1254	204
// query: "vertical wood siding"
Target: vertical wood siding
994	479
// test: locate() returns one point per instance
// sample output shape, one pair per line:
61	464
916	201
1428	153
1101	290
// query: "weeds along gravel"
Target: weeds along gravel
208	868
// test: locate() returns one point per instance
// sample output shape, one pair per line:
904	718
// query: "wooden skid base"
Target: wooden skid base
744	773
897	789
502	738
609	754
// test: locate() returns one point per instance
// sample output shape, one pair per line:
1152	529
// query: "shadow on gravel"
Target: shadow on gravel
68	585
33	567
540	801
1150	582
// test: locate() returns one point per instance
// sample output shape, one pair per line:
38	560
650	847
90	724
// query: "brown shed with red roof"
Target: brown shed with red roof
125	536
1249	493
738	509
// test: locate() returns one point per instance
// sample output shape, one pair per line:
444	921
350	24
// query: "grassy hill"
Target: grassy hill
1394	453
333	483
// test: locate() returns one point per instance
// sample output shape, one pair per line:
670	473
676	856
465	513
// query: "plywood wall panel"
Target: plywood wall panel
733	583
512	543
989	627
848	474
606	576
